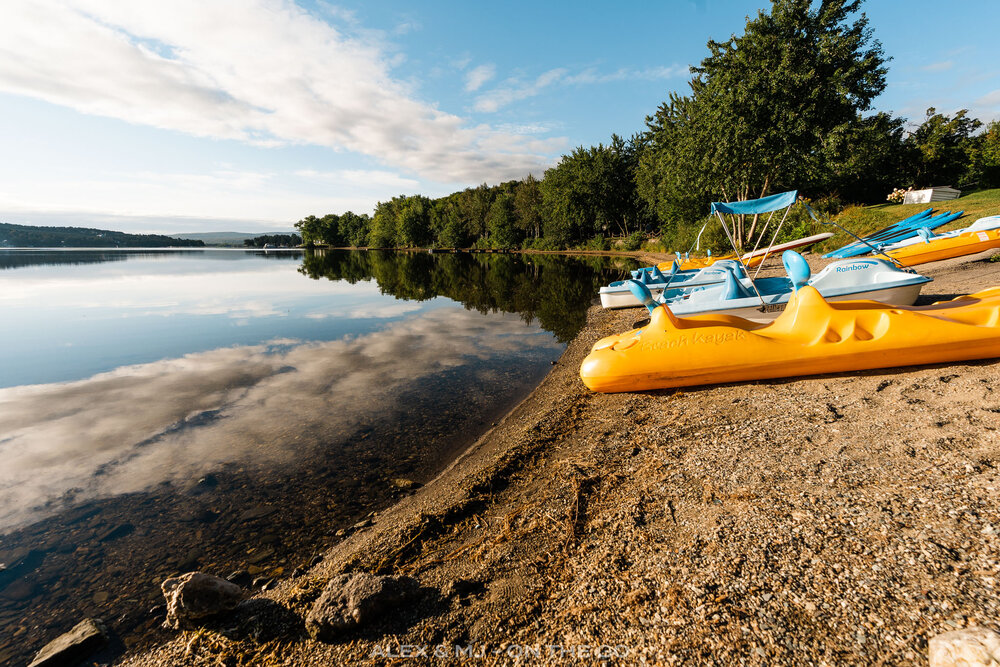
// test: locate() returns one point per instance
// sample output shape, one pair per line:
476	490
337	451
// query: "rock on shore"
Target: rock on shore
196	596
351	601
70	648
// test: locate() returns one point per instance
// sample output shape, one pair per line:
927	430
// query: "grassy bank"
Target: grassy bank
864	220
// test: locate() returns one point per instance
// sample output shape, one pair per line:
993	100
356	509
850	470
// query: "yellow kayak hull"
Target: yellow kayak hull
968	243
695	263
810	337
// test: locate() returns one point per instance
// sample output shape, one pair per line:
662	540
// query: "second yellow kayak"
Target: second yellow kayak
969	243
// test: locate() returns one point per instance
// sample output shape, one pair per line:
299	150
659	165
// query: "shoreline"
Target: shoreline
832	519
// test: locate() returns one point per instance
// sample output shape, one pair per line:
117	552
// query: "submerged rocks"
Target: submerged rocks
196	596
971	647
404	484
350	601
72	647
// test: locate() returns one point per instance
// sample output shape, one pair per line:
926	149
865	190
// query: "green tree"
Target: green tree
329	230
864	161
761	107
942	148
413	221
988	156
502	223
474	204
354	228
382	233
528	206
311	230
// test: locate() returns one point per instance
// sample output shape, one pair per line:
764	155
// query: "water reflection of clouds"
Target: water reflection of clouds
388	311
137	426
262	291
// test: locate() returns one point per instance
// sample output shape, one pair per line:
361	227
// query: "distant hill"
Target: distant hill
229	238
28	236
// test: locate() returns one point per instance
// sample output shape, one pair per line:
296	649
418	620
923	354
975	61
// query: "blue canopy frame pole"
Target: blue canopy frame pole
739	257
773	239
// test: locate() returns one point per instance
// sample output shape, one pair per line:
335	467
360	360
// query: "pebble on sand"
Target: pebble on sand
971	647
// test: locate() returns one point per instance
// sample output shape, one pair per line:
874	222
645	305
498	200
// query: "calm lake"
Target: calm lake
230	410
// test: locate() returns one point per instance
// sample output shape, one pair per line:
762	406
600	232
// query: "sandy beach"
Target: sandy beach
828	520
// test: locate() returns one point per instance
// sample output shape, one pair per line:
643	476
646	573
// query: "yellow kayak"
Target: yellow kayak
969	243
810	337
695	263
751	259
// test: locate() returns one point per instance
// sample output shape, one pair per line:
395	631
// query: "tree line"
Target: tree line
786	105
278	240
30	236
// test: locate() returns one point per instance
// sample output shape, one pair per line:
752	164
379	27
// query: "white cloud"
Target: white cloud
514	90
221	194
591	75
264	72
371	178
990	104
501	97
942	66
475	79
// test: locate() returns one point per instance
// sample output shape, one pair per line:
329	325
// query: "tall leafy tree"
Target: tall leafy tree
311	229
528	205
354	228
413	221
988	156
761	107
382	233
501	222
942	148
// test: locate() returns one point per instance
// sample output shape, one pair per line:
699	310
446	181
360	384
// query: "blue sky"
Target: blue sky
212	115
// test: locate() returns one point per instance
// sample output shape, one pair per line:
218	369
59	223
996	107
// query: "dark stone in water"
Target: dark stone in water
257	512
207	483
120	530
203	515
260	555
19	590
191	559
240	578
74	646
80	514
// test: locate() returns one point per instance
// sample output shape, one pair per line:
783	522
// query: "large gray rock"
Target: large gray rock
351	601
196	596
972	647
72	647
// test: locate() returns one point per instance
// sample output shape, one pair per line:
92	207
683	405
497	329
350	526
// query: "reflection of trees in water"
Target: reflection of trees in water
16	259
20	258
554	289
